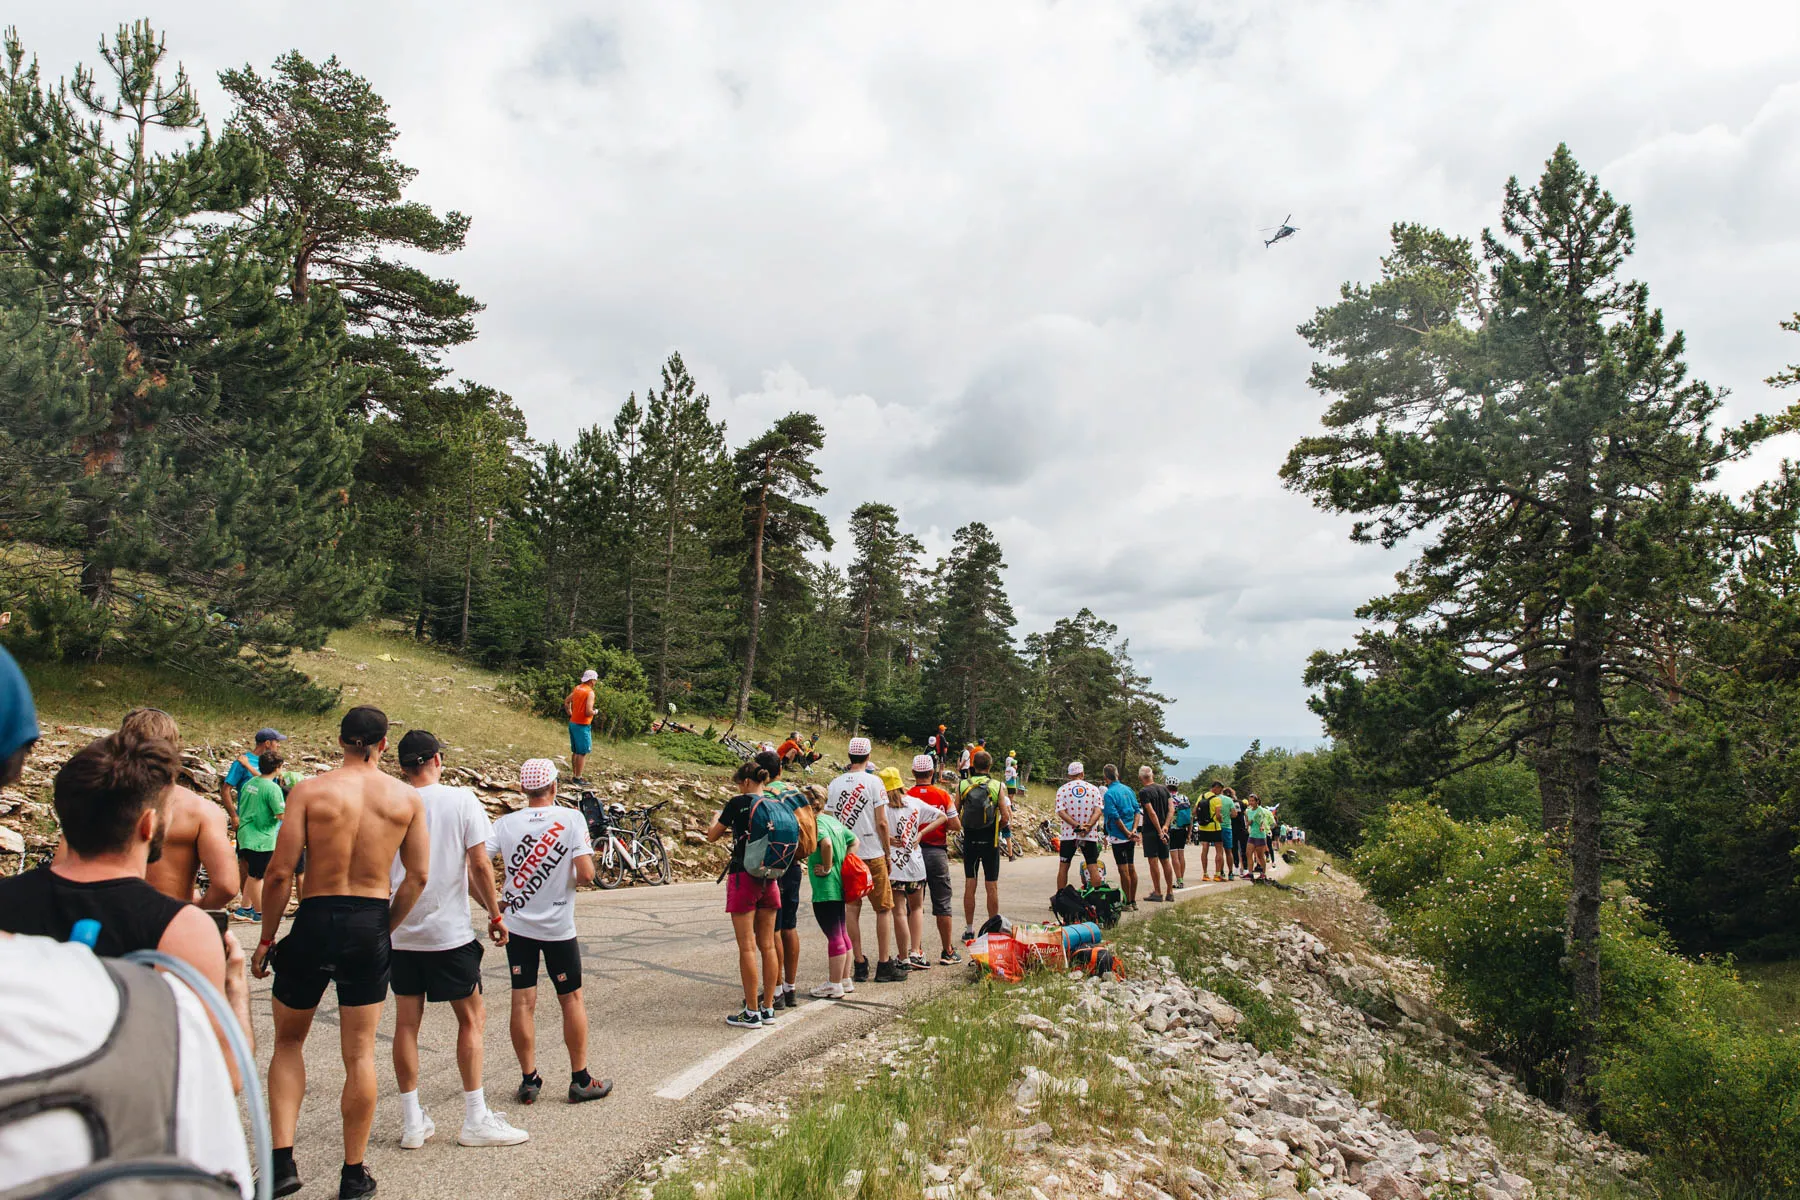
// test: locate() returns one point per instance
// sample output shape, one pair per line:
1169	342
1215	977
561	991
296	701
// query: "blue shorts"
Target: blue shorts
581	738
1225	836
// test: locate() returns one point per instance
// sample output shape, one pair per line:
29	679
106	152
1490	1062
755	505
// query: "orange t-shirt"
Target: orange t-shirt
581	704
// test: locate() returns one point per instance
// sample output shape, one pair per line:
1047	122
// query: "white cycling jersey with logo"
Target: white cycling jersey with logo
537	849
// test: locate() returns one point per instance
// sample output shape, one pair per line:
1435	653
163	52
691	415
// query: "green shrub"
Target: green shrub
692	747
621	694
1711	1097
1683	1076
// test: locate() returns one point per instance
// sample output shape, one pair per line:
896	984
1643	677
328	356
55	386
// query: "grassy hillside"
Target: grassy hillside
416	685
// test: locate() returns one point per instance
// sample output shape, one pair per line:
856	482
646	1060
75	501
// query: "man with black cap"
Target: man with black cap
243	769
351	821
436	956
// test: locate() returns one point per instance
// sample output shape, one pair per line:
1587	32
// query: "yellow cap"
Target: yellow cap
890	779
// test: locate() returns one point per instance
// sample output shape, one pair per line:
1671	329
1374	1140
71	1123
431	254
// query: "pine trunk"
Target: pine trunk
662	654
756	587
468	562
862	672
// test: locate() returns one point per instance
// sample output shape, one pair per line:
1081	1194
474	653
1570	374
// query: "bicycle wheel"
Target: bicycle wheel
653	861
609	870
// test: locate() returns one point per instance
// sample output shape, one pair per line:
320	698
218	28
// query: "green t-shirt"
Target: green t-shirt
260	805
996	792
1260	820
842	840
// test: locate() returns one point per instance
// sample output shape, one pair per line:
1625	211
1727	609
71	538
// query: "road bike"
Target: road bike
1043	836
625	841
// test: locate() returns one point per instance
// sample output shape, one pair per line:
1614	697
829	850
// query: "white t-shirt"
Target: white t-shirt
440	920
1012	768
537	849
906	863
57	1007
853	799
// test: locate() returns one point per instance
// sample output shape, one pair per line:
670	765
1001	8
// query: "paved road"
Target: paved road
660	976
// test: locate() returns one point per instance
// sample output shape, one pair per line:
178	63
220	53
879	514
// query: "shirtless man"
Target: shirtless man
194	831
351	821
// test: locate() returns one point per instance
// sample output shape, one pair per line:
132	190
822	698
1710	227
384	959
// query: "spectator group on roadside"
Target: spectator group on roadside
384	869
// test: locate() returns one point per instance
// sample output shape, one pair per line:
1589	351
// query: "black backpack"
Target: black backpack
980	812
1068	907
125	1091
1105	902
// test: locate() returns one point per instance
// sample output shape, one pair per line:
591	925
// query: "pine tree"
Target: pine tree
689	509
774	474
171	417
886	560
1529	418
976	669
333	193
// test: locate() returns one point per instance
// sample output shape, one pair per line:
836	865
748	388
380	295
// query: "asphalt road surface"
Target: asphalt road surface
659	978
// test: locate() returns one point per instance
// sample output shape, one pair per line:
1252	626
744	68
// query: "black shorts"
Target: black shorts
981	856
561	959
1090	851
788	915
255	861
1124	853
1154	845
439	975
1178	838
334	939
1206	836
937	878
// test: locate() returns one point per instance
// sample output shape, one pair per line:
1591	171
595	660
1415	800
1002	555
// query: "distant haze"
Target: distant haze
1207	749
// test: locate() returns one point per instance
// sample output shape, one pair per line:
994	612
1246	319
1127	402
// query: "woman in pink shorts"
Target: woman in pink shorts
752	903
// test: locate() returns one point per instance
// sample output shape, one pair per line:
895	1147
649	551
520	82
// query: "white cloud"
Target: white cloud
1008	251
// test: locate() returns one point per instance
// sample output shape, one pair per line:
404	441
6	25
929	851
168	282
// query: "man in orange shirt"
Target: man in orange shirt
580	707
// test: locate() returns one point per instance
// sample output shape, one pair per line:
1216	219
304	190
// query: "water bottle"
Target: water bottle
86	931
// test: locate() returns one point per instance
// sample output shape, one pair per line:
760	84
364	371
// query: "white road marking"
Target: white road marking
689	1081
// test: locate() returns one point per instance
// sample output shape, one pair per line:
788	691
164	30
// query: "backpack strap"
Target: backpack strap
125	1090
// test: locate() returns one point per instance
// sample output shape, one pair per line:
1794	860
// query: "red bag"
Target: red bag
856	878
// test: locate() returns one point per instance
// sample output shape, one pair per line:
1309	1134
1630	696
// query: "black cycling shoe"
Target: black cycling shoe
355	1183
285	1178
861	973
529	1089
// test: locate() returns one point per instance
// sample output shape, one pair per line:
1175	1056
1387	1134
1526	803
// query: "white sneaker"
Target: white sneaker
828	991
490	1129
847	986
414	1136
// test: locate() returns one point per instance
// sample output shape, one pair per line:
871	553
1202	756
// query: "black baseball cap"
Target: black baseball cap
363	726
417	748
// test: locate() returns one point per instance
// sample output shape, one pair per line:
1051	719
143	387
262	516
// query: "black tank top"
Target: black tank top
132	914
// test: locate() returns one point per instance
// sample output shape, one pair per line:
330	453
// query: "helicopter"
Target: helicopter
1281	231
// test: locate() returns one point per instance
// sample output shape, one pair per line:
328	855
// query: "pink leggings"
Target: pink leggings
830	915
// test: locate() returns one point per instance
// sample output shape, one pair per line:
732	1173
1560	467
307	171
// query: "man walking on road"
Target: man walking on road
1123	830
855	799
436	956
352	821
195	830
933	845
545	853
1080	807
982	806
580	708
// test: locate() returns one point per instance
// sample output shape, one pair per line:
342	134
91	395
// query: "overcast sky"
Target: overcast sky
1008	250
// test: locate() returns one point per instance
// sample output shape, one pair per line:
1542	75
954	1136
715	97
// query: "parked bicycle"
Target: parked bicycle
624	841
1044	836
737	745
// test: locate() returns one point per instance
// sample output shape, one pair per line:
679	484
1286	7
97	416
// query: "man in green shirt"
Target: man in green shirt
260	803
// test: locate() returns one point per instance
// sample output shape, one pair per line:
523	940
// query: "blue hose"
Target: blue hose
262	1142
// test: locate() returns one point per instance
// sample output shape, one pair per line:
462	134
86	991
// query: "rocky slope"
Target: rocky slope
1363	1086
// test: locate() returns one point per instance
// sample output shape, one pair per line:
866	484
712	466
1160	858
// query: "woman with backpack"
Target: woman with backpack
825	870
752	902
787	917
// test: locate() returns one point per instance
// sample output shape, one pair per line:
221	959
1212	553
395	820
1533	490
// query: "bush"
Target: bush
1711	1097
692	747
621	694
1682	1076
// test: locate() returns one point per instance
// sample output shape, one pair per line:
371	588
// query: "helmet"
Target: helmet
615	809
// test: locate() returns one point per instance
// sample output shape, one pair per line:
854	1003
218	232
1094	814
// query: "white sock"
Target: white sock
410	1112
474	1105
